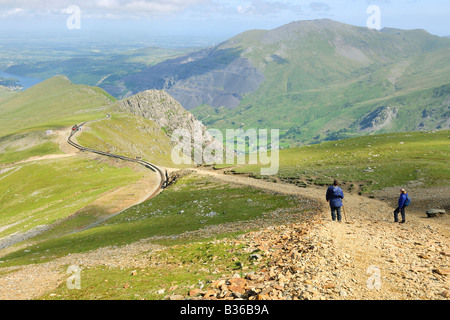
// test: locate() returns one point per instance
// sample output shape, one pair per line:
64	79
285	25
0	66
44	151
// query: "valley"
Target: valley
314	80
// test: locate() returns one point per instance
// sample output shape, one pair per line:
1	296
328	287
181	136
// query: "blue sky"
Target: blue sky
215	18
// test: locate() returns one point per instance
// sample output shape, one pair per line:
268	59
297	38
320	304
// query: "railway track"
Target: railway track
144	163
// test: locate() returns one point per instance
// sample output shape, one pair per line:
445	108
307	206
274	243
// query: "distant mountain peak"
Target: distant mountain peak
315	79
56	80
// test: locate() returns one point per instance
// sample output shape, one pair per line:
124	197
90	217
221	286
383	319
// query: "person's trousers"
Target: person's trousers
336	213
397	211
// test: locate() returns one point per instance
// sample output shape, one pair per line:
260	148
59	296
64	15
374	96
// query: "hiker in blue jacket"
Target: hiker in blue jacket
402	203
334	197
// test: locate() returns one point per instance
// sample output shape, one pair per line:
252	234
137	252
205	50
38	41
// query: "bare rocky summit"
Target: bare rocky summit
158	106
168	113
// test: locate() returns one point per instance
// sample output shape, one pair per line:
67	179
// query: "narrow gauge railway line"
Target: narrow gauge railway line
146	164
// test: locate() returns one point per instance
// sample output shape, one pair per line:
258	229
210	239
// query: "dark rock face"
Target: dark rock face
217	77
160	107
378	119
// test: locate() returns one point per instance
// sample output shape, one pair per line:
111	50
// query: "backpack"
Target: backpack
407	201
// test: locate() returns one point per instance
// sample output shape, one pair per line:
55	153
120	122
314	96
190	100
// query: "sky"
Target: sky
211	18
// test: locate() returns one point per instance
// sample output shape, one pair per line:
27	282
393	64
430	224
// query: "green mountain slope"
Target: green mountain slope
40	191
310	79
56	102
5	93
53	104
367	164
129	135
323	79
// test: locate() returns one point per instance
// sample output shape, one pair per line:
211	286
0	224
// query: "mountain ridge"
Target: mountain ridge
242	46
322	76
51	103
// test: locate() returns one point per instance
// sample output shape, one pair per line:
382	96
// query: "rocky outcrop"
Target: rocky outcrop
433	213
378	119
223	87
160	107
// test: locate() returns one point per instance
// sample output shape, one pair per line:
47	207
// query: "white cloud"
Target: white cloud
108	4
263	7
319	7
15	11
150	8
99	8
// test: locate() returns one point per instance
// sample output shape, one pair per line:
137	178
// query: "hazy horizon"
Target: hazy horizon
209	19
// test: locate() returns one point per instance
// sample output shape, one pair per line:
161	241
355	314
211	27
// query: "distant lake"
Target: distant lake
24	81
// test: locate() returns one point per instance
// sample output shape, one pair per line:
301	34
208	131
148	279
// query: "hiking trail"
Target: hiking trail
369	258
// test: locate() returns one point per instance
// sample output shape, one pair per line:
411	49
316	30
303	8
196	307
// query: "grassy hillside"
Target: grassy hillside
5	93
369	163
174	270
323	78
131	136
40	193
51	104
193	204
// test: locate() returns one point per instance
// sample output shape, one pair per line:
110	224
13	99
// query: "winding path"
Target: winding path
146	164
405	255
15	238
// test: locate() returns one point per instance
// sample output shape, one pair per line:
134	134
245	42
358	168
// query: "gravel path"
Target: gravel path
368	258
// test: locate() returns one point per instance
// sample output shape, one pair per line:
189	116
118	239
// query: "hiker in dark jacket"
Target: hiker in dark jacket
401	206
334	197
